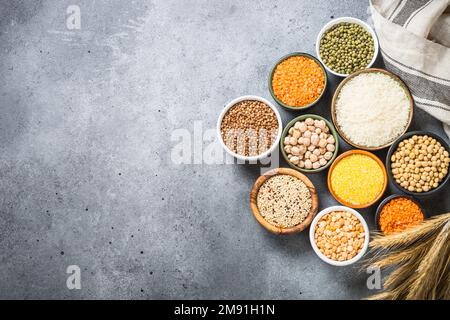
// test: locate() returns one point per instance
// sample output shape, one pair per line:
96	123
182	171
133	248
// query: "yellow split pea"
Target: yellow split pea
357	179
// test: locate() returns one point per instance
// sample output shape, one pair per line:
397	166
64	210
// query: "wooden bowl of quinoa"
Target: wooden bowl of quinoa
284	201
371	109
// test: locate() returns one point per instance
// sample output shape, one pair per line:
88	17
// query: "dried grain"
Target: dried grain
284	201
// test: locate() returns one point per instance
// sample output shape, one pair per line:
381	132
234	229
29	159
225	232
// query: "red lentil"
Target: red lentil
399	214
298	81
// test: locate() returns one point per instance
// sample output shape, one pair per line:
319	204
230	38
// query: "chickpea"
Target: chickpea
302	127
328	155
295	160
295	150
293	141
315	139
306	142
323	143
308	164
309	121
309	144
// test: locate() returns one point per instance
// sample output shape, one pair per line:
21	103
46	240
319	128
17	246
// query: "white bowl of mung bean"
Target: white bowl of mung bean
345	45
339	235
249	128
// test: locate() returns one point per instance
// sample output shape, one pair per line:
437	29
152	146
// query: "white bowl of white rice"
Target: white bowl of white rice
371	108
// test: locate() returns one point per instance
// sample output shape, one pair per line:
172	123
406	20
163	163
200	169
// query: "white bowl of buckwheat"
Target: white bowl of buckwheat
249	128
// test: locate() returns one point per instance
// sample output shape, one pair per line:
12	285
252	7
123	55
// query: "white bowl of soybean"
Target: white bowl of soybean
348	20
312	231
264	154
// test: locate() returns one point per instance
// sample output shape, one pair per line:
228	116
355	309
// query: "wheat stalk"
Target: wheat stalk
396	257
432	267
444	288
420	257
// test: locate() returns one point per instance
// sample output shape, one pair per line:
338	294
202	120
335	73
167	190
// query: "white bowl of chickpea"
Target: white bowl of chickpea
339	235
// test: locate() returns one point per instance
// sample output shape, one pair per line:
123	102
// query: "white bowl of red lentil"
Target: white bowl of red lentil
323	247
336	22
252	119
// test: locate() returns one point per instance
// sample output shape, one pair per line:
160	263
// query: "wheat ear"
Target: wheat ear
432	267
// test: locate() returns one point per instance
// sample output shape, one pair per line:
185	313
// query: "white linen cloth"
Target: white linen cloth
414	37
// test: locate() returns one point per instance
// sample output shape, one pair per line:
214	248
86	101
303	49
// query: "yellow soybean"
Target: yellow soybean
357	179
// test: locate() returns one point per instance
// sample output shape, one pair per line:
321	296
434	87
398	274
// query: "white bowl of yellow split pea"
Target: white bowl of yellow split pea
339	235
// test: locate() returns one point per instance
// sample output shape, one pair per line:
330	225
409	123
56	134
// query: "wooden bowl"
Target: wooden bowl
270	227
338	90
346	154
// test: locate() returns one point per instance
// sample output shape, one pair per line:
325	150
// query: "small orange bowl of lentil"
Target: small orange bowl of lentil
399	212
357	179
297	81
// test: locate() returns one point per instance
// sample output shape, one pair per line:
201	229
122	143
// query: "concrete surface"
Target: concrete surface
86	118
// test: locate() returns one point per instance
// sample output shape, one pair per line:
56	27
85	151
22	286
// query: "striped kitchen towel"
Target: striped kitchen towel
414	38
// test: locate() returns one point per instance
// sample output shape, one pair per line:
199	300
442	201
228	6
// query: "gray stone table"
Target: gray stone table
86	172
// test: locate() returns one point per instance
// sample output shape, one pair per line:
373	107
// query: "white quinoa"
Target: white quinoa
284	201
372	109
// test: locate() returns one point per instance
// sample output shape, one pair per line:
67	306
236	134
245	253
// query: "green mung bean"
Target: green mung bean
346	48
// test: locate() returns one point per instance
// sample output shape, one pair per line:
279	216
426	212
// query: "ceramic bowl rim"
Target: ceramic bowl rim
333	132
294	54
320	254
369	154
395	196
394	146
228	107
335	21
339	88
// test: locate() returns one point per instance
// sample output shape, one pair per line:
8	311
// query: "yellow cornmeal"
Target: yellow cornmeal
357	179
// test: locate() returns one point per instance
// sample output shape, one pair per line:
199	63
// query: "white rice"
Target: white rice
372	109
